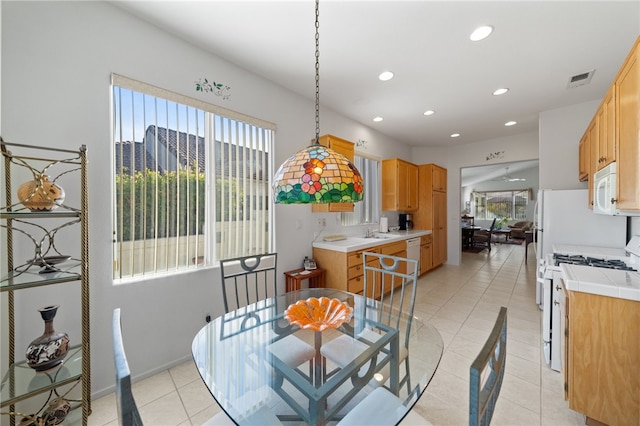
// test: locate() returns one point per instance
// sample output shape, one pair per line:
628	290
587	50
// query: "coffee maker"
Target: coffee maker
405	222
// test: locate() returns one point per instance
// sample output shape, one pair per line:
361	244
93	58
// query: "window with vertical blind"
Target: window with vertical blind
501	204
191	182
367	210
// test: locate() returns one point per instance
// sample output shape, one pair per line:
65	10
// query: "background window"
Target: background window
368	210
501	204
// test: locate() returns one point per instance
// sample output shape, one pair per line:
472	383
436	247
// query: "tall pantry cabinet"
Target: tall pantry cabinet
432	214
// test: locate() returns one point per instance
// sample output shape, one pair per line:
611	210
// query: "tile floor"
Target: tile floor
462	303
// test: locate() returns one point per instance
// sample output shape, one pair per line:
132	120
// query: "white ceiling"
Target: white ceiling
535	48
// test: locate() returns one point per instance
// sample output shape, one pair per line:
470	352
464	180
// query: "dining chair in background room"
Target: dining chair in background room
250	279
483	236
390	283
128	414
486	373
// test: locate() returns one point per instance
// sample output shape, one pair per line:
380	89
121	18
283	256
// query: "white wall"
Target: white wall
57	60
560	132
453	158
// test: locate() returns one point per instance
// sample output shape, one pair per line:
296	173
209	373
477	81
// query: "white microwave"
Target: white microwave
604	192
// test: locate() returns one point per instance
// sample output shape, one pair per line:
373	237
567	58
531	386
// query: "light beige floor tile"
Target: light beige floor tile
184	373
152	388
521	392
165	411
103	410
508	413
195	397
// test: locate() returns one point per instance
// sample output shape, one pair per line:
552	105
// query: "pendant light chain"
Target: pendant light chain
317	74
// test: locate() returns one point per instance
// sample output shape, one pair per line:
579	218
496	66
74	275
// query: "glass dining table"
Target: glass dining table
234	356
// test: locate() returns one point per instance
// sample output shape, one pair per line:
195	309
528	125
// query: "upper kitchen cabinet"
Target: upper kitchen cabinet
584	157
399	185
613	135
606	117
432	213
347	149
627	109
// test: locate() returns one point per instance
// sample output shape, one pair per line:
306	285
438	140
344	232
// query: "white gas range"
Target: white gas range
605	271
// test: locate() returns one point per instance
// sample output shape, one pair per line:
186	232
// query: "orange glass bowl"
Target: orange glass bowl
318	314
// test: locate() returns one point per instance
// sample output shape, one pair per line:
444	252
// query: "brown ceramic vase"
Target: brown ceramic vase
48	350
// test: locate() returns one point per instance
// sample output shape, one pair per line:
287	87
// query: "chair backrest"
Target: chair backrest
128	414
486	373
393	282
248	279
493	225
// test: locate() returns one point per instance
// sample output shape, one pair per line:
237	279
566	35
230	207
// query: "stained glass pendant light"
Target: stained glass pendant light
317	174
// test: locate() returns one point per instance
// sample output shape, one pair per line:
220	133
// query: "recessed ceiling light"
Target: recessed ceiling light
377	119
429	112
455	135
481	33
387	75
500	91
510	123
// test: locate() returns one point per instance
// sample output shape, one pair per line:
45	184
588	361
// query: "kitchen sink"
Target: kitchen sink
378	236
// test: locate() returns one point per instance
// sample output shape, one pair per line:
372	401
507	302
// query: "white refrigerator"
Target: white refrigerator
563	217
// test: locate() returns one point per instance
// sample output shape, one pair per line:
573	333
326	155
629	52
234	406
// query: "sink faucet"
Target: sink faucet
369	233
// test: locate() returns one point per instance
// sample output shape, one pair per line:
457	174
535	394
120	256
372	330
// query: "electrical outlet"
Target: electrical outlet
322	222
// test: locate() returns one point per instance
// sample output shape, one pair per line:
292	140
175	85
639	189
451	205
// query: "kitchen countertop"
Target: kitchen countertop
602	281
359	243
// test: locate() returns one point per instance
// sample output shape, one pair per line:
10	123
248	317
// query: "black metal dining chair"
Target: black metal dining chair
390	283
486	373
483	236
128	414
250	279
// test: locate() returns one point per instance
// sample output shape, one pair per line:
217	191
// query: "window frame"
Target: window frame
245	127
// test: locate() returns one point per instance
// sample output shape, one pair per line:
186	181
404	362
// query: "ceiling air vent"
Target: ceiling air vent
580	79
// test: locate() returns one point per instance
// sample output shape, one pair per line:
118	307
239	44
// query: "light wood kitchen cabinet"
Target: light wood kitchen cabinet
584	156
347	149
602	357
399	185
613	135
432	213
627	103
426	253
606	131
345	270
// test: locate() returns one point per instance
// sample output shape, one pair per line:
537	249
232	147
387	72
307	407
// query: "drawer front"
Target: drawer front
356	271
356	258
393	248
356	285
425	239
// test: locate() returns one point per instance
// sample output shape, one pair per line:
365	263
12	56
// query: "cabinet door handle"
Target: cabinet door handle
613	200
555	302
558	287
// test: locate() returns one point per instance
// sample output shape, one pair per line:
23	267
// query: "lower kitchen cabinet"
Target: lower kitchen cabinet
602	356
345	270
426	254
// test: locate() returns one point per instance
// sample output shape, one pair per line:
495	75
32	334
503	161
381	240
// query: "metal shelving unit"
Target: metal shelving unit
40	228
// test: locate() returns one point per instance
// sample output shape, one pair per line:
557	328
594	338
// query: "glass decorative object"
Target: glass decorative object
318	314
317	174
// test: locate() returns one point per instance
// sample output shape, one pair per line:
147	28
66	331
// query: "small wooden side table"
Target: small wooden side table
294	278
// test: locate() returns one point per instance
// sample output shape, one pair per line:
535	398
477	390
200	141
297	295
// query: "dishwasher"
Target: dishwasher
413	248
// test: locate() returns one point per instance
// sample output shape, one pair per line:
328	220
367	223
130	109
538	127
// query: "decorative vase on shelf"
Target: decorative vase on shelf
56	411
48	350
40	194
